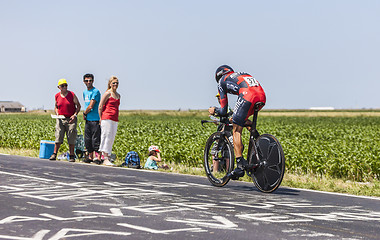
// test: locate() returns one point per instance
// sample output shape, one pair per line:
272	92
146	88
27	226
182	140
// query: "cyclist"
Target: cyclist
249	92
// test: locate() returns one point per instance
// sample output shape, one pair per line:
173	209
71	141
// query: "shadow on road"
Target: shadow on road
279	191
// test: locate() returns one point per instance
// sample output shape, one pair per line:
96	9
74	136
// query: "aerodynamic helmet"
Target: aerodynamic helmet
224	69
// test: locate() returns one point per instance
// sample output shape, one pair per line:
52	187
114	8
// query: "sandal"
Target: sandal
53	157
108	163
72	158
97	161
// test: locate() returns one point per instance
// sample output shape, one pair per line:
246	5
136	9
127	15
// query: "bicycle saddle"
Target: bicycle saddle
258	105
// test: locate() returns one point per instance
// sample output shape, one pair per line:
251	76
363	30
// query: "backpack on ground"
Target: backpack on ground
132	160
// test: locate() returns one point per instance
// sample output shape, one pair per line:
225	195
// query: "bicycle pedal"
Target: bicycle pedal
229	175
251	167
234	178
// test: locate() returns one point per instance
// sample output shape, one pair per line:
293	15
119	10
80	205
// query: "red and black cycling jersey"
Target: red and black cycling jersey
247	88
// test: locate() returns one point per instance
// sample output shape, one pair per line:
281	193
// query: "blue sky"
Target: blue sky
165	53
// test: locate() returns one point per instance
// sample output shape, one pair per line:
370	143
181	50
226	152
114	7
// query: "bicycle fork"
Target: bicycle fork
220	143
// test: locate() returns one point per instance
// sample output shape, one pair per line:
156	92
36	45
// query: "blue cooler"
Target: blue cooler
46	148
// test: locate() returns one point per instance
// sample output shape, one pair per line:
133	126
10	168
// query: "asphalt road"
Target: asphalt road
41	199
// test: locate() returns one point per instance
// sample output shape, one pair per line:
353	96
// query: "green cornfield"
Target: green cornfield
340	147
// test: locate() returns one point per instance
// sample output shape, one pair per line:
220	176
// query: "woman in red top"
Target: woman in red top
66	104
109	118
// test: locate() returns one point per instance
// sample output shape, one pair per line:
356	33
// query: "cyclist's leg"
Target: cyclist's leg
241	114
238	148
238	144
239	117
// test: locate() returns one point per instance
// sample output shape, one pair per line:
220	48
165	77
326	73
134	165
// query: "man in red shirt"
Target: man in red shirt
66	104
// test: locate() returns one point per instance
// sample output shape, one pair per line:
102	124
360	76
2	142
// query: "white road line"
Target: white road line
334	193
25	176
33	203
221	222
38	236
151	230
78	233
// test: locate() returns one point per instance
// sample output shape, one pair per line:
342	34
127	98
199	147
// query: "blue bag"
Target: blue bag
132	160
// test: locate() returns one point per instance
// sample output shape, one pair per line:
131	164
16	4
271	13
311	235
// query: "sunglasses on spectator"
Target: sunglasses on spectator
115	83
88	80
63	85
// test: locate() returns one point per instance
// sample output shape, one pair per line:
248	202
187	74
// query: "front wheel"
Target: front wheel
270	172
218	159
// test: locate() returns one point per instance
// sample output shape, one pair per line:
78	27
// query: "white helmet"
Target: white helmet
154	148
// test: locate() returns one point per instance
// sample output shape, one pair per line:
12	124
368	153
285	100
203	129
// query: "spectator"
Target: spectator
91	98
154	157
109	117
66	104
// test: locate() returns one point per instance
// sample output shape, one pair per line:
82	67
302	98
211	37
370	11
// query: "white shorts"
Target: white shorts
108	130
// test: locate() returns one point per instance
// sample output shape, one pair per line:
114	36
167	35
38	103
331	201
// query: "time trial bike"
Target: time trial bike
266	160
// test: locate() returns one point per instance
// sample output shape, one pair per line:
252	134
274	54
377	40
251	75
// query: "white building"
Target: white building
10	106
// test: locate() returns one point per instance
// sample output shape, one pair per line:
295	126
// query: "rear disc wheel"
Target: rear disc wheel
270	172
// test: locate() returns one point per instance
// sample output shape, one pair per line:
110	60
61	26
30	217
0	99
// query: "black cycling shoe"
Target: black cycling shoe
237	173
241	162
240	170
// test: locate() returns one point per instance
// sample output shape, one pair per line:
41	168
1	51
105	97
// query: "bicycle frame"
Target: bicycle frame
254	134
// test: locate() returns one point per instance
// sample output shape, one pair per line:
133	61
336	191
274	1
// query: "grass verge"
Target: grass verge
290	180
20	152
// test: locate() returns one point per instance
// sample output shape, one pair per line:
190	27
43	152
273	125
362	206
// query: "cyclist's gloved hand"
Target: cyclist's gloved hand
211	110
218	114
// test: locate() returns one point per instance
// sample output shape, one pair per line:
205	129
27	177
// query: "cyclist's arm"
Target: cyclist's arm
223	109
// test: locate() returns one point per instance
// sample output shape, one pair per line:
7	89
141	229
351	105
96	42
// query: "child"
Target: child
154	157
